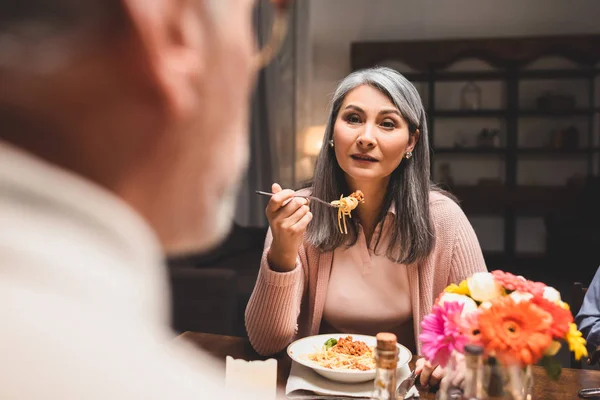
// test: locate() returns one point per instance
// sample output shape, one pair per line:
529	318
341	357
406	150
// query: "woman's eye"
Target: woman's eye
353	119
388	124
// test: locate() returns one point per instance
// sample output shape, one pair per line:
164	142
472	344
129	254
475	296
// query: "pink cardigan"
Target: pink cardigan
285	306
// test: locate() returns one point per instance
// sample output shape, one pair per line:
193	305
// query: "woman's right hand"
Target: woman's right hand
288	218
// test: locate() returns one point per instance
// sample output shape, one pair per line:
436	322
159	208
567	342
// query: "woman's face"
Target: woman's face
370	135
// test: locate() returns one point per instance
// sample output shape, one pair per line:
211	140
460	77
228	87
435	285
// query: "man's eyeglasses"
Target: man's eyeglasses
278	32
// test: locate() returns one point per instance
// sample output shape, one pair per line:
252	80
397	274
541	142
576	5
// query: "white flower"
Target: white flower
552	294
483	287
520	296
468	303
486	305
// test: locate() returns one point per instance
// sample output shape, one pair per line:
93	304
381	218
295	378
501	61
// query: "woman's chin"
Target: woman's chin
358	175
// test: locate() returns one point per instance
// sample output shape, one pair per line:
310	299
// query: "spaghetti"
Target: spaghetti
345	205
345	354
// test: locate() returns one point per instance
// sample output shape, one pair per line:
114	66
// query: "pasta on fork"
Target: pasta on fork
345	205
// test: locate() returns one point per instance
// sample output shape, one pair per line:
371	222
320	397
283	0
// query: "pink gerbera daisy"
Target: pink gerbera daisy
518	283
441	333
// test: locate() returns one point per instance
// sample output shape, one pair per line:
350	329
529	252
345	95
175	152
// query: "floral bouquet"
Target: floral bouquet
514	320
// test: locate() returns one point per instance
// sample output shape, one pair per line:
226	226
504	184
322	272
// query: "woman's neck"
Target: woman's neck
369	211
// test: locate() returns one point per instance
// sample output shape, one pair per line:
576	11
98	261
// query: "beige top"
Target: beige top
368	293
84	301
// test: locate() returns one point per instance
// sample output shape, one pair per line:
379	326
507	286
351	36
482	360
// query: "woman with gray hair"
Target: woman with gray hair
404	244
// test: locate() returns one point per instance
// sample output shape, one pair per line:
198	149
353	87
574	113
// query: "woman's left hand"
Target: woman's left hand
430	374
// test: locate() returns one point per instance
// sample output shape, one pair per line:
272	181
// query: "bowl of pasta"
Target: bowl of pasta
341	357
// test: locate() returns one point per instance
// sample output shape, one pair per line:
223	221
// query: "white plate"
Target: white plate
299	350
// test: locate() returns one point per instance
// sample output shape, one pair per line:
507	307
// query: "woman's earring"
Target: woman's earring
331	143
408	155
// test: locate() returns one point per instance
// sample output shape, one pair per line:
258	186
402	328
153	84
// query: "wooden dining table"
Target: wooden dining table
565	388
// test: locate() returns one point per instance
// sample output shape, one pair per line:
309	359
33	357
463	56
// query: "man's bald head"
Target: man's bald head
147	98
40	22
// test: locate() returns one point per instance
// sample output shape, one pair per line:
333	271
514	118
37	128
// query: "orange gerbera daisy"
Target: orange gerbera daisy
561	318
515	332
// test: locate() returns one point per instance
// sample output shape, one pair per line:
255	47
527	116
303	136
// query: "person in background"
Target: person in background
404	245
124	134
588	318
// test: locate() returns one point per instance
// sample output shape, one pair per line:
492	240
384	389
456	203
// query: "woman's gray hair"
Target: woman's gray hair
412	236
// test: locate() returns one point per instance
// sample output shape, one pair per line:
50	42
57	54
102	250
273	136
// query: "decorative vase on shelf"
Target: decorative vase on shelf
470	97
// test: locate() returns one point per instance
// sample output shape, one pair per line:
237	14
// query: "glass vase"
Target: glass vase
510	382
498	381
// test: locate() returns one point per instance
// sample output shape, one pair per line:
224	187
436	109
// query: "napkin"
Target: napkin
304	383
251	379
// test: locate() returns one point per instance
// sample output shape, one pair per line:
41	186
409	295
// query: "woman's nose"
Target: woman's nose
366	137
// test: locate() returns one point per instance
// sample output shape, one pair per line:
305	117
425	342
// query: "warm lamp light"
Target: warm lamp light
313	140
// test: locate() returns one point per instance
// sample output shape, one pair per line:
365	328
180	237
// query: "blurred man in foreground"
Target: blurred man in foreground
123	137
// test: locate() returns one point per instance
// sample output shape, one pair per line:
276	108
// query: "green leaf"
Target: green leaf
552	367
330	343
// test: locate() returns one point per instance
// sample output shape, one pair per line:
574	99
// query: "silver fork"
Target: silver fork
306	197
406	385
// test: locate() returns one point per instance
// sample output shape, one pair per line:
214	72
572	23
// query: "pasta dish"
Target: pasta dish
345	205
345	354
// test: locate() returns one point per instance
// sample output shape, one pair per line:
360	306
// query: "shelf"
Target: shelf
469	150
524	200
457	76
522	263
505	63
481	199
575	73
521	113
558	113
543	151
497	255
469	113
523	151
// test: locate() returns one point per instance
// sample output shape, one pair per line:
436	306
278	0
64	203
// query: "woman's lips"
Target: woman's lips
363	157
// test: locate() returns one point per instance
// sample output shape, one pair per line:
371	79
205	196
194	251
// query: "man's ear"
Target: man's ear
173	36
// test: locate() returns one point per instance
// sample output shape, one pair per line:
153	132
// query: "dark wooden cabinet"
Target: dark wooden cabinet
510	62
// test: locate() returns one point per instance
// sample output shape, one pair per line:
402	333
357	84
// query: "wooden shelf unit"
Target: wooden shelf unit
509	57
